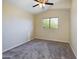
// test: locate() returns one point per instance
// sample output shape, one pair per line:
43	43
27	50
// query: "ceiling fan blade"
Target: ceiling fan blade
49	3
36	0
35	5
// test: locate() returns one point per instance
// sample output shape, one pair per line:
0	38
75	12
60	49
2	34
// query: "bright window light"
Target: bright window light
50	23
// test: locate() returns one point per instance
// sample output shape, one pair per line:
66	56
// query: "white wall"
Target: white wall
17	26
73	41
61	34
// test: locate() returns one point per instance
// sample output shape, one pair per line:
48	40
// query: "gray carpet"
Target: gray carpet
40	49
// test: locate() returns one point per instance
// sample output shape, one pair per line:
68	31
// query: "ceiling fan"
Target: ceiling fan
42	3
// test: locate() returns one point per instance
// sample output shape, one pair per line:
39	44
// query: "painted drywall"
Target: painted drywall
60	34
73	41
17	26
27	5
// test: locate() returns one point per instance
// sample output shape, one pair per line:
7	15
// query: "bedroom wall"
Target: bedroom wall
17	26
73	40
61	34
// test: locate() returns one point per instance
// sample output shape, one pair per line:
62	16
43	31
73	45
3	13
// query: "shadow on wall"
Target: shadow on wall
17	26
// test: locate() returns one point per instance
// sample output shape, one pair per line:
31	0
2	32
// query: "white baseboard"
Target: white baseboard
52	39
15	46
73	51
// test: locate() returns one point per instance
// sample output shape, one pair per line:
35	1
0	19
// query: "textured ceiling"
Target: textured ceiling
27	5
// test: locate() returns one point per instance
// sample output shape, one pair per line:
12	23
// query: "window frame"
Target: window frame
50	22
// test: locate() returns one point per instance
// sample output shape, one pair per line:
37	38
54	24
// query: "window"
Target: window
50	23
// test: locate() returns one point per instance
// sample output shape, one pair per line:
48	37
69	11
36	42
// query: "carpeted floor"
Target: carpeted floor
40	49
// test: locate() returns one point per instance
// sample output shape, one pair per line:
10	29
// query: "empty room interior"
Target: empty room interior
39	29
